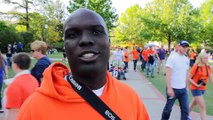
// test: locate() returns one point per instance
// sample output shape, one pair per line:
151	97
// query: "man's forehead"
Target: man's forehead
84	17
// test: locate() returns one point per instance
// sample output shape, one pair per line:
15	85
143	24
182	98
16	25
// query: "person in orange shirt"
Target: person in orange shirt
62	94
200	74
22	86
144	58
192	56
150	61
126	59
135	56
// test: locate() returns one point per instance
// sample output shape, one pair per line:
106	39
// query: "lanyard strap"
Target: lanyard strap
92	99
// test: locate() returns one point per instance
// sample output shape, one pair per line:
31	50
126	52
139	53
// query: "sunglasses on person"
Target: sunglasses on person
32	50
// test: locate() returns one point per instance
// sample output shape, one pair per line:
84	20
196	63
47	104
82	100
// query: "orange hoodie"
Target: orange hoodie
56	100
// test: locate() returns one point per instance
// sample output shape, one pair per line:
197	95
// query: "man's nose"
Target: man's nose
86	39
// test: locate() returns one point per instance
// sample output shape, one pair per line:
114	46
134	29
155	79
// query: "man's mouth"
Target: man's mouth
89	56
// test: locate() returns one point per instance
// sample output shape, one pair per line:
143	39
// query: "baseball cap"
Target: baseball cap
184	43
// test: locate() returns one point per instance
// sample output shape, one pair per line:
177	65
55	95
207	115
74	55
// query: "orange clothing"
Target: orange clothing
126	56
200	74
19	90
146	54
192	55
145	57
135	54
56	100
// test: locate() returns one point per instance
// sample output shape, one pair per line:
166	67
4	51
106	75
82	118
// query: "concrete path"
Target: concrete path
152	98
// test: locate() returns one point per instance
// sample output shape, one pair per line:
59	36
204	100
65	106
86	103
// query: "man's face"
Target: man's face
183	49
35	53
86	42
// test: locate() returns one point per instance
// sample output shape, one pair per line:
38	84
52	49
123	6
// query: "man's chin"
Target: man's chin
90	68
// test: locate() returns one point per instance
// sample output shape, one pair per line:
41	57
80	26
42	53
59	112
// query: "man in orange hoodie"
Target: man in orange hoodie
87	49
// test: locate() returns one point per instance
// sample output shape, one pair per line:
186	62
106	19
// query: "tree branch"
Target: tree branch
16	14
16	3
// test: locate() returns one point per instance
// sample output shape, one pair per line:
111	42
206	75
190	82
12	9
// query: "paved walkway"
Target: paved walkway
152	98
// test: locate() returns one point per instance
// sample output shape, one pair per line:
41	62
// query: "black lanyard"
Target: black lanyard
92	99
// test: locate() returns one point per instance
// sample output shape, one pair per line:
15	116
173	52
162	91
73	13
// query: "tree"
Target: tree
46	22
27	40
206	16
174	20
102	7
160	20
54	13
37	26
130	28
8	35
45	29
25	4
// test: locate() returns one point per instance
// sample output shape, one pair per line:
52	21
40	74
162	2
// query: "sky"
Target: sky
120	5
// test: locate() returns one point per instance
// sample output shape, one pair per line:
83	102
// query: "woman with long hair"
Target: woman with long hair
199	75
3	72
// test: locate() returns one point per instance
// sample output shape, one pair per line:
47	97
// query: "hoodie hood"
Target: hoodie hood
54	85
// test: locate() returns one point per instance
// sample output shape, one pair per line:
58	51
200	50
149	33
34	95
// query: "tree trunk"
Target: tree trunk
169	42
27	16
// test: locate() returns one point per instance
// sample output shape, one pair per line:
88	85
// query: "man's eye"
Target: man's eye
97	32
71	35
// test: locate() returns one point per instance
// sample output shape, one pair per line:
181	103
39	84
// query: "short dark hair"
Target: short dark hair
22	60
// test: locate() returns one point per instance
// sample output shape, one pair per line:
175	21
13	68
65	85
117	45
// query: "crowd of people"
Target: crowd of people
150	57
24	83
87	90
12	49
174	65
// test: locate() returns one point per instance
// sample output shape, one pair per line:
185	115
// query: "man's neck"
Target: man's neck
41	56
21	71
93	83
181	54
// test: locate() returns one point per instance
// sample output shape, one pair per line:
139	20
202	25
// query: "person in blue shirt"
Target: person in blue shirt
38	49
161	55
3	72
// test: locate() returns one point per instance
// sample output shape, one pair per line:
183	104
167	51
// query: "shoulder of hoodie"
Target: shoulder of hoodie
121	87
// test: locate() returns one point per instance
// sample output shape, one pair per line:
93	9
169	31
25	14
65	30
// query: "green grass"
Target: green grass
55	55
159	82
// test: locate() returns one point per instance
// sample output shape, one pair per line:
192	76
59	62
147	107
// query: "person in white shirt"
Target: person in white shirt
176	82
118	57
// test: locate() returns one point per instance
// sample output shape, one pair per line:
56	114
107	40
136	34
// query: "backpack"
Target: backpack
207	67
151	59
